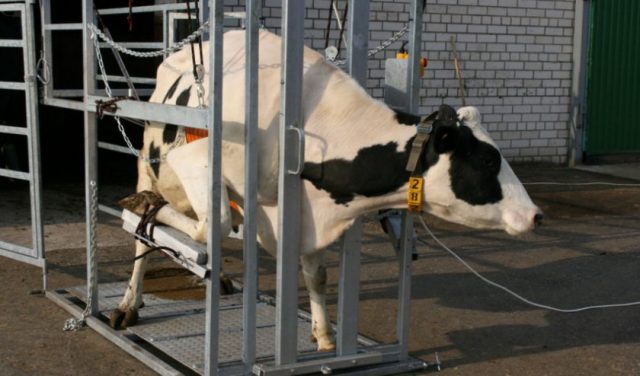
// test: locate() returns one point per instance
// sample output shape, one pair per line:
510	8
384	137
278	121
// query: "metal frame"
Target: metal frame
385	359
35	254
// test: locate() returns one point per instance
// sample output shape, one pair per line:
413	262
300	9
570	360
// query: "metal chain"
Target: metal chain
74	324
192	37
107	89
383	46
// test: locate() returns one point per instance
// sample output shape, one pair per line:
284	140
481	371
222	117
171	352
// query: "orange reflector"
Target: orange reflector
193	134
414	197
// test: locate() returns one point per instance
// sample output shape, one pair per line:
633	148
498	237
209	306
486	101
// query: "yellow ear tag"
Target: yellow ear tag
414	198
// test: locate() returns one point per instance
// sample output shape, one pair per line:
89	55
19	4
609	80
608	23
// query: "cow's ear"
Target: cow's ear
445	138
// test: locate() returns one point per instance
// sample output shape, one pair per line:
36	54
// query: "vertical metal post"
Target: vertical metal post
578	81
31	99
45	17
250	246
289	191
413	99
90	148
214	236
349	286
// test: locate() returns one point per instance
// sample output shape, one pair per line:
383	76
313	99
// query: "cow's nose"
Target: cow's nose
537	219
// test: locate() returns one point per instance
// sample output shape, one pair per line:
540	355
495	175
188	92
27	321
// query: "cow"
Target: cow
354	162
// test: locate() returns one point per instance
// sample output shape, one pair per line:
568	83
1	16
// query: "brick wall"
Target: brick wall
515	57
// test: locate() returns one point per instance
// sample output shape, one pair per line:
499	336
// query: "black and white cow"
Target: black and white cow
355	157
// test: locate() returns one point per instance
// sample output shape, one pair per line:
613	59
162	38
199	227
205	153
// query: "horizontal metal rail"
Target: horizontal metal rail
135	80
63	26
146	9
68	104
178	115
114	147
8	129
12	85
11	43
15	174
8	250
137	45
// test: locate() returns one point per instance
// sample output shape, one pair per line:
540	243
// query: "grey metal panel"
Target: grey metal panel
8	129
289	190
90	148
15	174
250	246
11	43
214	236
64	26
179	115
12	85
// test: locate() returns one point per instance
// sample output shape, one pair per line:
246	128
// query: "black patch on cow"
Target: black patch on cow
406	118
172	89
183	98
376	170
169	133
474	170
154	153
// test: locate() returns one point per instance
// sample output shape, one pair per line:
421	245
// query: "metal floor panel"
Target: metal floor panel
176	327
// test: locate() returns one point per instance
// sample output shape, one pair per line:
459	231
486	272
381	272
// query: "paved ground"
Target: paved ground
586	253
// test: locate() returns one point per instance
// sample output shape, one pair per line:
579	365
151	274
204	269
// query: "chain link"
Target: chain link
383	46
179	139
74	324
192	37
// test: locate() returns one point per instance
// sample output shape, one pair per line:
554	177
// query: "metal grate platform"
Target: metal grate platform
176	327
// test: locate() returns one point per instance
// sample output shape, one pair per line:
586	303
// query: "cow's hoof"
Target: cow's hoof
326	346
122	320
226	286
138	202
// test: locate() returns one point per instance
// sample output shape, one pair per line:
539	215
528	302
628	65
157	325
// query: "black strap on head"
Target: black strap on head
422	137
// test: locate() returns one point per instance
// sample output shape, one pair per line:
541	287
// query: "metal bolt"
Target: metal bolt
326	370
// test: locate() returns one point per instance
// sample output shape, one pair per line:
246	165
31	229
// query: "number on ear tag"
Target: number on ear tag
414	198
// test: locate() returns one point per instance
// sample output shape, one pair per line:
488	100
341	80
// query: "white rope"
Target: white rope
517	296
584	183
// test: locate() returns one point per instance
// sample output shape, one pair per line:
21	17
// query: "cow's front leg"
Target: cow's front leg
315	277
127	312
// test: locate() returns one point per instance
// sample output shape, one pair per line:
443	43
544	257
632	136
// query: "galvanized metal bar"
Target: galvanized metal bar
8	129
214	237
250	246
15	174
90	149
68	104
413	68
289	185
12	85
146	8
349	291
179	115
12	251
404	286
11	43
114	147
578	82
33	146
137	45
109	210
349	286
45	20
62	26
135	80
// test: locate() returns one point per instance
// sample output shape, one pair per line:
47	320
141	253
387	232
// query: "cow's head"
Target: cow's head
468	181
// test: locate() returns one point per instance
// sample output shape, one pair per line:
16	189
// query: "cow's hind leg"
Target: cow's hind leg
315	277
127	312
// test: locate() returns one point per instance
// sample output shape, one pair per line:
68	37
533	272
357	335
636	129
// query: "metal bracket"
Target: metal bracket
300	134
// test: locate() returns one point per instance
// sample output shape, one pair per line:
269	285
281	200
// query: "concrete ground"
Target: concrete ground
586	253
